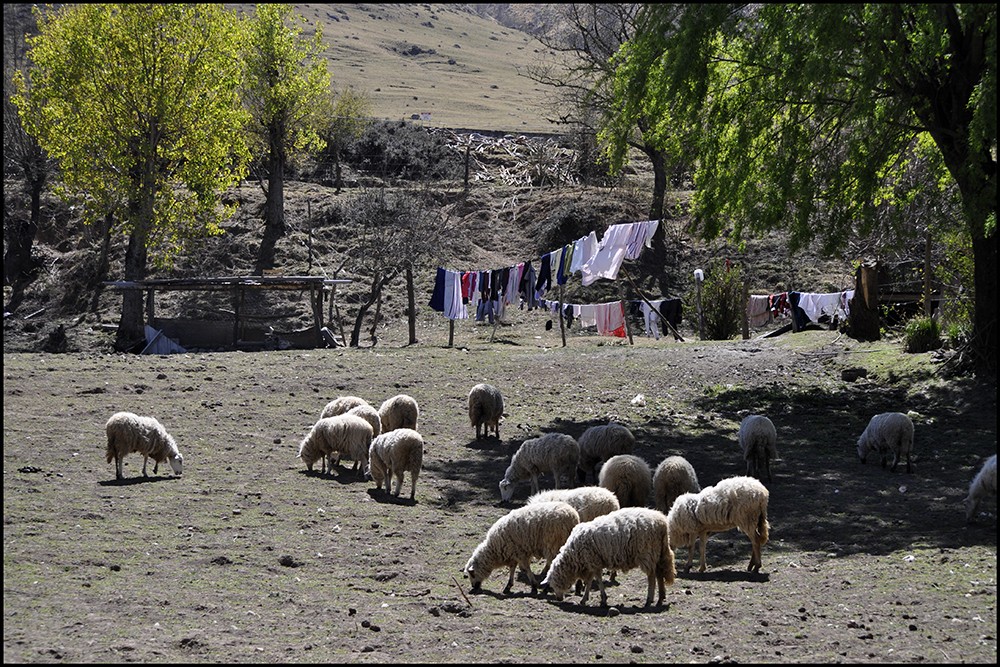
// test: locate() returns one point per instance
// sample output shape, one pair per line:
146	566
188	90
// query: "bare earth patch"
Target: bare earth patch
246	558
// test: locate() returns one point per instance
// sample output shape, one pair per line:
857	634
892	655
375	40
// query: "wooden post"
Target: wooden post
927	276
642	296
628	329
468	147
562	322
451	333
746	311
150	307
698	278
237	302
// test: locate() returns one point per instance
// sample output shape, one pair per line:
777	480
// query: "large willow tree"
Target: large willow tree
138	103
804	117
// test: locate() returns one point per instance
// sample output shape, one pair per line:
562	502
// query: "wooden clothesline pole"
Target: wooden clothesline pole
642	296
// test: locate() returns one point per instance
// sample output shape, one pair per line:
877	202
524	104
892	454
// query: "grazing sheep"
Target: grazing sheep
557	453
341	405
983	485
370	415
629	478
485	408
128	432
536	530
674	476
888	432
394	453
627	538
759	443
333	437
400	411
600	443
590	502
736	502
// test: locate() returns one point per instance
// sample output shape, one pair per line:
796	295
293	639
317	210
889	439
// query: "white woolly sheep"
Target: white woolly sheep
485	409
600	443
370	415
983	485
128	433
333	437
887	432
400	411
557	453
674	476
341	405
536	530
590	502
736	502
759	442
394	453
627	538
628	477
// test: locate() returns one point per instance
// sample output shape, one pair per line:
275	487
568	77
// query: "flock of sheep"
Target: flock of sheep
598	518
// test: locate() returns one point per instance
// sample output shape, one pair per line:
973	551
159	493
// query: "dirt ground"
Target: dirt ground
247	558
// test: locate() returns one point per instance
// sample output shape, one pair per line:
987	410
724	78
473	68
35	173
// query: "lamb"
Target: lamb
983	485
340	405
627	538
736	502
629	478
333	437
394	453
485	408
536	530
555	452
128	432
590	502
370	415
888	432
400	411
674	476
758	441
600	443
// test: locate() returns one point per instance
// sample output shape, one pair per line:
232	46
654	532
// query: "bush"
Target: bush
722	300
403	150
922	334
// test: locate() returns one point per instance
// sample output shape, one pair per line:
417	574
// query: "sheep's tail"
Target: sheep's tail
763	528
665	567
110	454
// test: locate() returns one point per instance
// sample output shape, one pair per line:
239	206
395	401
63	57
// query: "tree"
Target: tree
287	82
139	106
804	117
349	116
21	154
395	233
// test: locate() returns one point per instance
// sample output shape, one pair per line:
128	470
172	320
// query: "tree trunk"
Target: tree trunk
17	264
373	296
984	341
103	262
411	305
658	160
274	215
131	330
864	323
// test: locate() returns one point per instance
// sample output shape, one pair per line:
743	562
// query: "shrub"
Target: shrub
721	300
922	334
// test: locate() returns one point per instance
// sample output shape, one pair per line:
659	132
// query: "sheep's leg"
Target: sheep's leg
118	466
144	460
399	482
909	469
651	583
156	468
690	548
586	590
413	484
703	539
662	581
526	566
604	595
534	483
510	579
767	469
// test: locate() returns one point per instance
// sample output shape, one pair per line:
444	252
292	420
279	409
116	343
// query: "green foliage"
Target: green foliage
722	302
287	85
138	105
922	334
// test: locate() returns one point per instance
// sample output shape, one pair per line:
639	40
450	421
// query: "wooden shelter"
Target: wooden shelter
240	330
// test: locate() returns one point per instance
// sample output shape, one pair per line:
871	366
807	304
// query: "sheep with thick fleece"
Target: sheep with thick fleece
628	477
759	442
129	432
600	443
400	411
557	453
333	437
370	415
625	539
674	476
590	502
394	453
736	502
888	432
341	405
983	485
536	530
485	408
